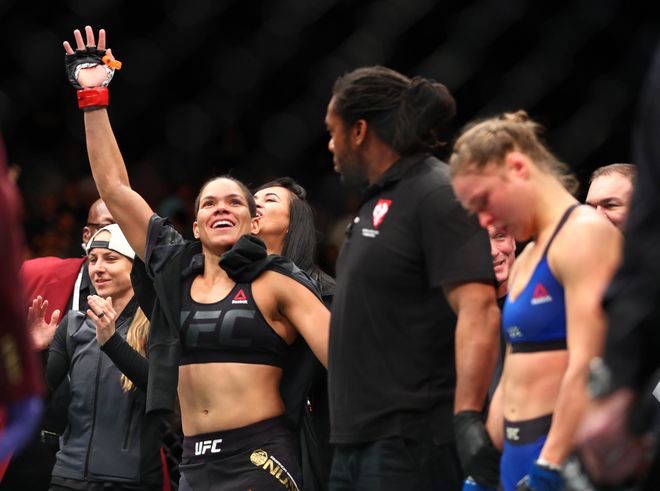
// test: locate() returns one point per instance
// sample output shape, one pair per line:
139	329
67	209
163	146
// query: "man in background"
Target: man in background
623	411
610	192
413	336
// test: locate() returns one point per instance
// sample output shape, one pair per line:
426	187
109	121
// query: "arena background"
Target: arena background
241	86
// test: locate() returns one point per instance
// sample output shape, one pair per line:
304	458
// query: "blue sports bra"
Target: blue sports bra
536	319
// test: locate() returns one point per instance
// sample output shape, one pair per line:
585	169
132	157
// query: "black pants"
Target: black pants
396	464
31	469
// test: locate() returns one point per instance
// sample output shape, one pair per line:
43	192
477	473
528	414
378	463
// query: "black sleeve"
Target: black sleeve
164	350
143	287
163	243
632	300
456	249
57	365
130	362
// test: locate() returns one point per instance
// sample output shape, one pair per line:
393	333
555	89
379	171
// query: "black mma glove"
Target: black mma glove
97	96
85	58
479	457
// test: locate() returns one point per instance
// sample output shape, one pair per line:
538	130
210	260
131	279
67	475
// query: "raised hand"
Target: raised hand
40	330
103	315
85	66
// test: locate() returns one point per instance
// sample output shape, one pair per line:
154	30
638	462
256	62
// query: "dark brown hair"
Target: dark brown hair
300	241
406	114
252	206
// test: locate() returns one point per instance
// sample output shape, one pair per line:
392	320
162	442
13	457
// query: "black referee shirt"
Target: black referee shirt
391	358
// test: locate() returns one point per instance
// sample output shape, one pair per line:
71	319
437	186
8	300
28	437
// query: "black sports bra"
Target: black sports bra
232	330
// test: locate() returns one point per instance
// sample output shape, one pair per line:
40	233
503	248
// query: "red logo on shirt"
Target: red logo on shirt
380	210
240	297
540	295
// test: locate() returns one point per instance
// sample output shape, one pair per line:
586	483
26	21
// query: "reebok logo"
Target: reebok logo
240	298
213	445
540	295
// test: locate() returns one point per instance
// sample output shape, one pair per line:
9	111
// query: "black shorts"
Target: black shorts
64	484
261	456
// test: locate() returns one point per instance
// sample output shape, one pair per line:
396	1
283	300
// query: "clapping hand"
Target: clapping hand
41	332
104	316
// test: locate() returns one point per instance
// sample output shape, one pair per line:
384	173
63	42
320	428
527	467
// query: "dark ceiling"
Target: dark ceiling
211	86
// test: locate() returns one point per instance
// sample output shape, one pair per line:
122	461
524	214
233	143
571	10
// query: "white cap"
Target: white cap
117	242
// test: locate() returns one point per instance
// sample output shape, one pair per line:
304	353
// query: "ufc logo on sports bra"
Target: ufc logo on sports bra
213	445
207	329
514	332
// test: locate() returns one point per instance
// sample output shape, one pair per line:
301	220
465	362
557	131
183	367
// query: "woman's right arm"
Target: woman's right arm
129	209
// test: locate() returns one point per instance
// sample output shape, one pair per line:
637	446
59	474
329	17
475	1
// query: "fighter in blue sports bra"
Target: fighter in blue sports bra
536	319
505	174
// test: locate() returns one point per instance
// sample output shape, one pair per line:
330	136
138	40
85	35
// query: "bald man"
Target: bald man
54	278
610	192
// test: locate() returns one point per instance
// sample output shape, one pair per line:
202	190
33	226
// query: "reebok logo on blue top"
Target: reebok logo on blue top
540	295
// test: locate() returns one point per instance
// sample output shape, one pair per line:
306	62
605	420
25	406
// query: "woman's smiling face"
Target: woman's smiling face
223	215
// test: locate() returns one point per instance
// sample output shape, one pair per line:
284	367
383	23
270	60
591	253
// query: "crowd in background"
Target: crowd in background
55	213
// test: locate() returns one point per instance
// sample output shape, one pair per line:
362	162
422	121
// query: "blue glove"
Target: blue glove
23	418
471	485
541	477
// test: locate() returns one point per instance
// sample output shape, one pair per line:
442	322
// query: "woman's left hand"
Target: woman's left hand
85	66
104	316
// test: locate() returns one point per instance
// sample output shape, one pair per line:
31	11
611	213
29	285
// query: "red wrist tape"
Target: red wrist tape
94	98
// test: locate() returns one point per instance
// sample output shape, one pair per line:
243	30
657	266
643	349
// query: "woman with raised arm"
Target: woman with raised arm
552	319
225	312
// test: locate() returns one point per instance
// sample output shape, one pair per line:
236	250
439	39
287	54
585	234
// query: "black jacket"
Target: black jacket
632	301
243	263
